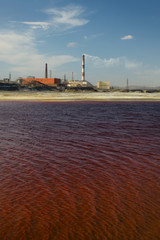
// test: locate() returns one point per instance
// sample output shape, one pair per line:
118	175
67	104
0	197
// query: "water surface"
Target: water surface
79	171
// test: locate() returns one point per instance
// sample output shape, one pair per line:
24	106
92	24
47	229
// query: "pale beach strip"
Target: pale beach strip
48	96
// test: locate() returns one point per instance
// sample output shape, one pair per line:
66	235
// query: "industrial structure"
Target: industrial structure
103	85
80	84
33	83
52	82
83	68
127	85
46	71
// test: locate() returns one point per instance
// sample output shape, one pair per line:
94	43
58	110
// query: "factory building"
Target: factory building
103	85
31	81
53	82
47	81
78	84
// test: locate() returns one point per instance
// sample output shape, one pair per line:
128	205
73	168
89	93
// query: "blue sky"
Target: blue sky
120	38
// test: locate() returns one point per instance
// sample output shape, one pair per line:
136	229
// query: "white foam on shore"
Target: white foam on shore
78	96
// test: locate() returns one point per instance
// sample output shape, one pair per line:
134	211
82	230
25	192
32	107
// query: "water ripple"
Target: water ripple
79	171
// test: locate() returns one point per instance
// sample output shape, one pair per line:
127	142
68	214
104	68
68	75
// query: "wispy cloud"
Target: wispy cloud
70	16
35	25
92	36
113	62
60	19
72	45
127	37
131	64
21	53
99	62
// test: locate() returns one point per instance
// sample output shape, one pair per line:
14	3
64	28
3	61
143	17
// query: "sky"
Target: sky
120	40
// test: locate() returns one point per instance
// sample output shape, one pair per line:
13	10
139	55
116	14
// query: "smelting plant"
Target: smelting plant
33	83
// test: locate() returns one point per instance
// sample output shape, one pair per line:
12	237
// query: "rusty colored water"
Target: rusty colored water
80	171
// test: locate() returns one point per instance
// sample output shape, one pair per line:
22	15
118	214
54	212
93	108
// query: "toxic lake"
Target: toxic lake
79	170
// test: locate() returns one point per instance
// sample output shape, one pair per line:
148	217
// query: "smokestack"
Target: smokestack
46	71
83	67
9	77
72	76
127	85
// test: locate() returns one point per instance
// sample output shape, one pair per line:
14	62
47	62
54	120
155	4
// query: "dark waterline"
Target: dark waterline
74	171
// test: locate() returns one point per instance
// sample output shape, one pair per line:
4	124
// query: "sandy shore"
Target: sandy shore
77	96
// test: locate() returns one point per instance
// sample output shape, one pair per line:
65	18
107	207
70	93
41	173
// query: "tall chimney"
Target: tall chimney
46	71
9	77
127	85
83	67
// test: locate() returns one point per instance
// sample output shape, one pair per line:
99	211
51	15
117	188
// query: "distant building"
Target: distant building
103	85
5	80
78	84
47	81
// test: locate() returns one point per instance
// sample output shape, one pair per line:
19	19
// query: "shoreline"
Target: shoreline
77	96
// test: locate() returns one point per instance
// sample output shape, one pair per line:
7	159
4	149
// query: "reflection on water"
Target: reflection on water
74	171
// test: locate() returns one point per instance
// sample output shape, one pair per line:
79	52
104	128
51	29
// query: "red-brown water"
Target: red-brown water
80	171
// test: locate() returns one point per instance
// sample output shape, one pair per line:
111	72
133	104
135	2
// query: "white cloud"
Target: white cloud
112	62
69	16
128	37
61	19
35	25
120	68
92	36
20	52
99	62
72	45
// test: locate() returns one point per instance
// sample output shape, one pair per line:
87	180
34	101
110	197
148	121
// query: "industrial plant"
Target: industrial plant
33	83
